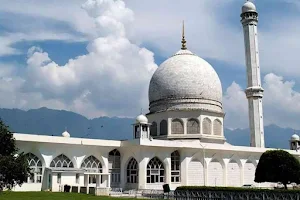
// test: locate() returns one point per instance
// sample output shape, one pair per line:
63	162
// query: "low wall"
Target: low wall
102	191
235	194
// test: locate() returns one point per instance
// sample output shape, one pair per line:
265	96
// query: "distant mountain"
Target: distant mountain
275	136
44	121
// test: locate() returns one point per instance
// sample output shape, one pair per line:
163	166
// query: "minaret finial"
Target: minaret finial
183	46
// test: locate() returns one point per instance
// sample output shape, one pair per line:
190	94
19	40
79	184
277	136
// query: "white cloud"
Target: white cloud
281	104
8	40
235	106
214	31
5	46
208	32
112	79
211	28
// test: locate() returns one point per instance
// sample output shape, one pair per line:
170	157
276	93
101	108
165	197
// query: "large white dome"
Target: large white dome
185	82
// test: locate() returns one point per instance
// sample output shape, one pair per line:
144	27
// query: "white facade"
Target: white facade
224	164
180	142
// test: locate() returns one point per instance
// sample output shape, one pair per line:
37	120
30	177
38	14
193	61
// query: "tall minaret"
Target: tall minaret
254	91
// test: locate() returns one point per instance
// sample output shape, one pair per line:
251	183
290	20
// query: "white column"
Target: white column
184	126
205	170
254	91
86	181
167	163
169	126
225	175
184	168
142	173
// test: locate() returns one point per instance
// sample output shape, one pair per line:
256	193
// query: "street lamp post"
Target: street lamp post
203	150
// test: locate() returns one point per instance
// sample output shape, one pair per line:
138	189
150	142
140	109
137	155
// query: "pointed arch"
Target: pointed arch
217	127
177	126
92	164
195	172
215	173
163	127
193	126
61	161
153	129
175	167
236	159
36	168
132	171
114	160
234	173
249	172
206	126
155	171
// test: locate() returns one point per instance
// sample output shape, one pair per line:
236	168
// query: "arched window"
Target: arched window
153	129
163	129
175	167
36	168
217	127
132	171
193	126
92	164
62	161
155	171
114	160
177	126
206	126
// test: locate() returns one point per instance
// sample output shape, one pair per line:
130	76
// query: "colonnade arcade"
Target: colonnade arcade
215	171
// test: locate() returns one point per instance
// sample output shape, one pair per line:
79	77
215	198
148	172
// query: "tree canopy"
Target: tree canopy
14	168
278	166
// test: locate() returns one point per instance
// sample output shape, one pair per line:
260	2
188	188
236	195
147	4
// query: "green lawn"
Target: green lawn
51	196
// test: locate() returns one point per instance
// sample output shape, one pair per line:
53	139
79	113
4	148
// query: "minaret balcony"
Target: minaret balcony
254	91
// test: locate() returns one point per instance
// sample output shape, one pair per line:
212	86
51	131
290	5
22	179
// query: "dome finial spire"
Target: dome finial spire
183	46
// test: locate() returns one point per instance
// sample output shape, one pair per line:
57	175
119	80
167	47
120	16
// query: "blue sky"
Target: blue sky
96	57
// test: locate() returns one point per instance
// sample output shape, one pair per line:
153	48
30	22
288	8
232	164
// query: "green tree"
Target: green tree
14	168
278	166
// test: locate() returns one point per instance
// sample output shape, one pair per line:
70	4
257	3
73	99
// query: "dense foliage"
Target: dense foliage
278	166
14	168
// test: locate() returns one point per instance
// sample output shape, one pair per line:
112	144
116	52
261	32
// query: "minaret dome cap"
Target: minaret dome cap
295	137
141	119
65	134
248	7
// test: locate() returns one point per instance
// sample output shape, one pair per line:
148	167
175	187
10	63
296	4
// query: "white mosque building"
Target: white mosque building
179	142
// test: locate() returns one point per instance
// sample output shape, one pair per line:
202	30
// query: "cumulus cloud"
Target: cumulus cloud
162	31
281	104
236	107
111	79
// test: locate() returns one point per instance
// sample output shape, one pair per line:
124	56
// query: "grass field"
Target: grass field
51	196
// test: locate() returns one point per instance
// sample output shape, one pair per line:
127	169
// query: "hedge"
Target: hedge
231	189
